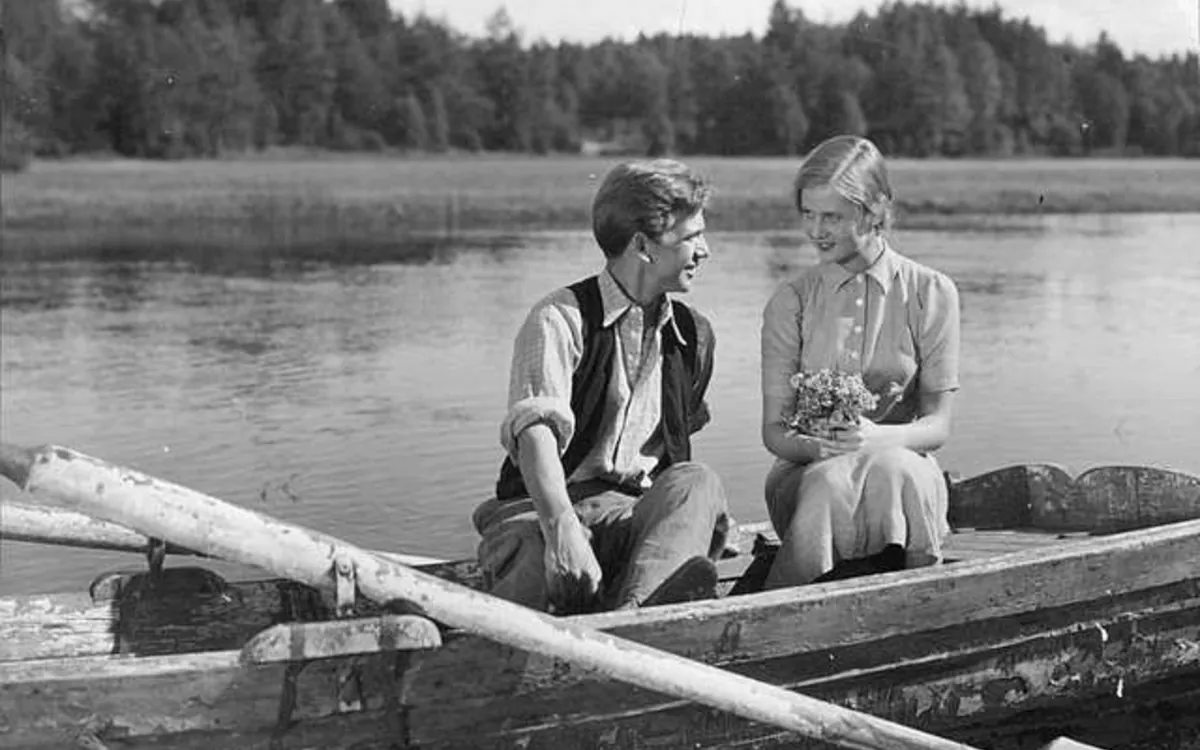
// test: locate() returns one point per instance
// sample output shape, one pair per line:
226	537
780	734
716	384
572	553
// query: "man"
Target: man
598	504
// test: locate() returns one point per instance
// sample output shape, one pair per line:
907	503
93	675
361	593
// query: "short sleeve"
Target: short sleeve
545	354
780	343
939	337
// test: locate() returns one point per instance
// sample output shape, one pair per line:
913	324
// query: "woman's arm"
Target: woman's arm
924	434
937	381
931	430
780	360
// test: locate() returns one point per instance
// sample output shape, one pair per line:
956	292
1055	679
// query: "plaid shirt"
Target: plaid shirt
547	351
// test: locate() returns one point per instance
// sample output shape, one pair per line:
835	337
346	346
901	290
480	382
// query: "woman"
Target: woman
872	497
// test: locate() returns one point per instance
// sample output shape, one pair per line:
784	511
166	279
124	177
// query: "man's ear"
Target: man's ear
642	246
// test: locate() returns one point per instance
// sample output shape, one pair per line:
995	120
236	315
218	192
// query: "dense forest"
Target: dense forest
193	78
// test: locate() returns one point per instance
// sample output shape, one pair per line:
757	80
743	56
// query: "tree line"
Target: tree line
197	78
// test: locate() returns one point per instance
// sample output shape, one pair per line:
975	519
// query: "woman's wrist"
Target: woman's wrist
796	447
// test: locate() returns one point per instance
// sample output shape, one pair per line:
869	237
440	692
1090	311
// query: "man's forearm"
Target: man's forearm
537	452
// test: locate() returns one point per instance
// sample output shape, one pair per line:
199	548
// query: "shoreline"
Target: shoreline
365	207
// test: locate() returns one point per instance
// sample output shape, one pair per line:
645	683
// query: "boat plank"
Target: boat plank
323	640
215	692
975	544
1109	499
1105	499
1166	497
998	499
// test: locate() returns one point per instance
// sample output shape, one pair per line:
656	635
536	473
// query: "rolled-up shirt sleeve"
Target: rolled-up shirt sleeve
939	336
545	354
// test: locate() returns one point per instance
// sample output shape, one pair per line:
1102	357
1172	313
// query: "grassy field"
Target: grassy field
356	203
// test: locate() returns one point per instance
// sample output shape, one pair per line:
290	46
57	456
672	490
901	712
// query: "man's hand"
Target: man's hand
572	572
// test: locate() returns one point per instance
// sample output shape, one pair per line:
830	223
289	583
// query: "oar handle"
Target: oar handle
16	462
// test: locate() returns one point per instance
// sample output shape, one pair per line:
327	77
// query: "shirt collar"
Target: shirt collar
883	270
617	303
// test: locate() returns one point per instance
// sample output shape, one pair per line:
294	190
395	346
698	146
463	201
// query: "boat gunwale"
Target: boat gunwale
826	593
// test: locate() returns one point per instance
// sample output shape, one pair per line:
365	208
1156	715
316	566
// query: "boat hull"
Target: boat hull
1007	650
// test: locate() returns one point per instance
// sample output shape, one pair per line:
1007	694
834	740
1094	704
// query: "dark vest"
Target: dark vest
686	370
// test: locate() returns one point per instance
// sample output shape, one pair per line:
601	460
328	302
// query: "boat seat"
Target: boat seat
746	573
976	544
962	544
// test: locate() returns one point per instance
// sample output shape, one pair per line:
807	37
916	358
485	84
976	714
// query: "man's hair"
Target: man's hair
647	197
854	168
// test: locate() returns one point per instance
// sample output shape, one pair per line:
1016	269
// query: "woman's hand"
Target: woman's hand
864	436
819	448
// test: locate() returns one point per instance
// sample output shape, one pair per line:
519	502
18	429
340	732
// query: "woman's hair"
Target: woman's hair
647	197
854	168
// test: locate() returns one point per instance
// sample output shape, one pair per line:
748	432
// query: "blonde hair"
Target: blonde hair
854	168
647	197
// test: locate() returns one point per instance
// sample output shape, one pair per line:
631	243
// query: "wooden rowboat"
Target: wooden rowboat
1064	601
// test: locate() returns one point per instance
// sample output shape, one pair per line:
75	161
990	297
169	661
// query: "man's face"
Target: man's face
679	252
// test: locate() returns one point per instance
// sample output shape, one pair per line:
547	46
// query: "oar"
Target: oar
196	521
44	525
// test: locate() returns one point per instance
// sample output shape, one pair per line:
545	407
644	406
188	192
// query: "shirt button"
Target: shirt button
858	302
858	329
853	355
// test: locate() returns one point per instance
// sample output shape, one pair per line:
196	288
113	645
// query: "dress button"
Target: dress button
858	302
853	355
858	329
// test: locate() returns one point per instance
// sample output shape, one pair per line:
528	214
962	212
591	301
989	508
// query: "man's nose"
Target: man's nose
702	250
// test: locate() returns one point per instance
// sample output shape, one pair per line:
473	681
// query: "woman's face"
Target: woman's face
835	226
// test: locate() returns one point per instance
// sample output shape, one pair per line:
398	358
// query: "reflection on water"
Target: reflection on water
361	395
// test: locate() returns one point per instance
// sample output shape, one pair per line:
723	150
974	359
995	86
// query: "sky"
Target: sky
1150	27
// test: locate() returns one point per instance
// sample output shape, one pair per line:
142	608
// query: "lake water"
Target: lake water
364	400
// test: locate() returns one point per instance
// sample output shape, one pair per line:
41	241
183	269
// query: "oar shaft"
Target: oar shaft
66	528
28	523
206	524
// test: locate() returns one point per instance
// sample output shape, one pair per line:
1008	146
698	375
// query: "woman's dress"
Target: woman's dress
896	324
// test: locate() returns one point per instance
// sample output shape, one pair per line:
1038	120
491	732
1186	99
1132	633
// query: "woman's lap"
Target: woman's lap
864	501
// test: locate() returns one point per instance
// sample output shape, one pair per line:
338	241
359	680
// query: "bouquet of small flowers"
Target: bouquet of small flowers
826	400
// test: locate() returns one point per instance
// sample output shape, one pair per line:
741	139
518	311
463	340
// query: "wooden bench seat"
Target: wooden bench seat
973	544
745	572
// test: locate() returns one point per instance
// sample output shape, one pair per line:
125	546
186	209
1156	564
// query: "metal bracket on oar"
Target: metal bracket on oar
349	680
346	585
156	555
